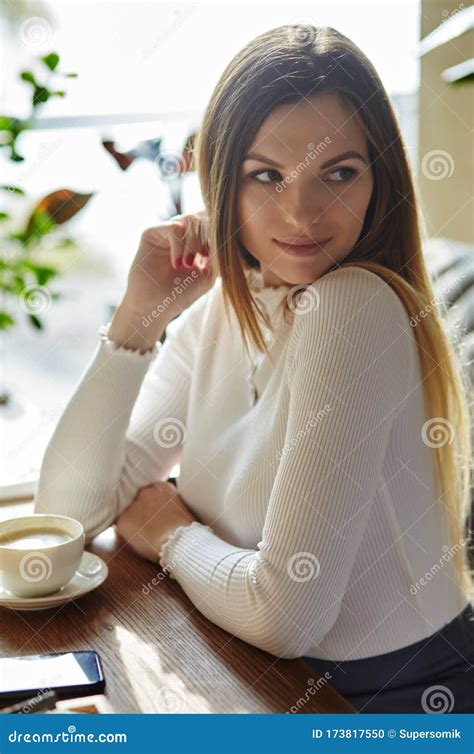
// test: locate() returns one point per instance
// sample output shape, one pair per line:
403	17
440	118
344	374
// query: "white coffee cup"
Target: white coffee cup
39	553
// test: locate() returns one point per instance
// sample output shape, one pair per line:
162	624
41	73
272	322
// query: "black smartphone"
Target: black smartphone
69	674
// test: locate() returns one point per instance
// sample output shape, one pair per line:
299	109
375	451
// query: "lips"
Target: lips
302	250
301	242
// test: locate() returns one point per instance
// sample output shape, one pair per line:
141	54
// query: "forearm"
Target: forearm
128	329
85	456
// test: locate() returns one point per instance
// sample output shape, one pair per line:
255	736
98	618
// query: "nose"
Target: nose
302	204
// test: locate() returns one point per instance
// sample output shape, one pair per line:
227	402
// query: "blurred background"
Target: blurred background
100	102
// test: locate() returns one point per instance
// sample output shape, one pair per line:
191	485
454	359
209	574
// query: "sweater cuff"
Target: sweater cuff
113	347
187	534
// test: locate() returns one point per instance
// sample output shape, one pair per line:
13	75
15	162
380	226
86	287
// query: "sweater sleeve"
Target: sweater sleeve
122	429
348	366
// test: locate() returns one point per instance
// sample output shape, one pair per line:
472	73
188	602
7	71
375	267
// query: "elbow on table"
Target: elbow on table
288	640
292	648
285	648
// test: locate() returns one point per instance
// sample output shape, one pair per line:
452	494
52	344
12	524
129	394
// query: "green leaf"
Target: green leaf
12	189
4	216
39	224
6	320
19	235
51	60
11	287
68	243
28	76
71	75
35	321
41	94
14	125
58	94
5	123
44	274
18	284
41	272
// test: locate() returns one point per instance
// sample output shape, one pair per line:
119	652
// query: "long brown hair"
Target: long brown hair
282	66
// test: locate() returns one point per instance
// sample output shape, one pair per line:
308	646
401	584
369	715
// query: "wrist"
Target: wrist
179	523
166	560
129	328
147	312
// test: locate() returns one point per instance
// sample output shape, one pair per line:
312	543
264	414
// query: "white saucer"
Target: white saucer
91	573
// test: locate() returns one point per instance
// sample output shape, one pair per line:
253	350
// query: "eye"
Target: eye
267	170
352	172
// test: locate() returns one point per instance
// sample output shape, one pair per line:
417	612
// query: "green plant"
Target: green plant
21	272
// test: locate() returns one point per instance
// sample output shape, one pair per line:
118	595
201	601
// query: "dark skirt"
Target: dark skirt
434	675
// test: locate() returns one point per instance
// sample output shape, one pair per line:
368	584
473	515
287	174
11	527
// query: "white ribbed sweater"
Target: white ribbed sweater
310	475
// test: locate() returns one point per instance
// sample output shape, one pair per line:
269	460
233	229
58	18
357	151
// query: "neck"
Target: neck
269	277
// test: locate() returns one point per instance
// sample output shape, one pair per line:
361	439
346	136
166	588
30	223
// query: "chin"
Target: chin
297	279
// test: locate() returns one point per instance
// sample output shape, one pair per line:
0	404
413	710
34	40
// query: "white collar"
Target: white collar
270	296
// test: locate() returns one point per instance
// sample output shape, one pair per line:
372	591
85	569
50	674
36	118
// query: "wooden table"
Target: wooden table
159	653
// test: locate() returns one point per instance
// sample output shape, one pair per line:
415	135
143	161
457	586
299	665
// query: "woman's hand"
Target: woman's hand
172	266
152	516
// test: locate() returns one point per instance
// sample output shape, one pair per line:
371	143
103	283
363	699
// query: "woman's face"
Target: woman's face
300	187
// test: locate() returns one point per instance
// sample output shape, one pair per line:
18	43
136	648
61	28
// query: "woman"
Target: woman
319	510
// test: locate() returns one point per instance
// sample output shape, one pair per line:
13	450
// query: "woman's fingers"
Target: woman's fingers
186	236
177	245
193	239
190	257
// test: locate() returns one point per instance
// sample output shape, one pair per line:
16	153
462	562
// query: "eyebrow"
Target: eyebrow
332	161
